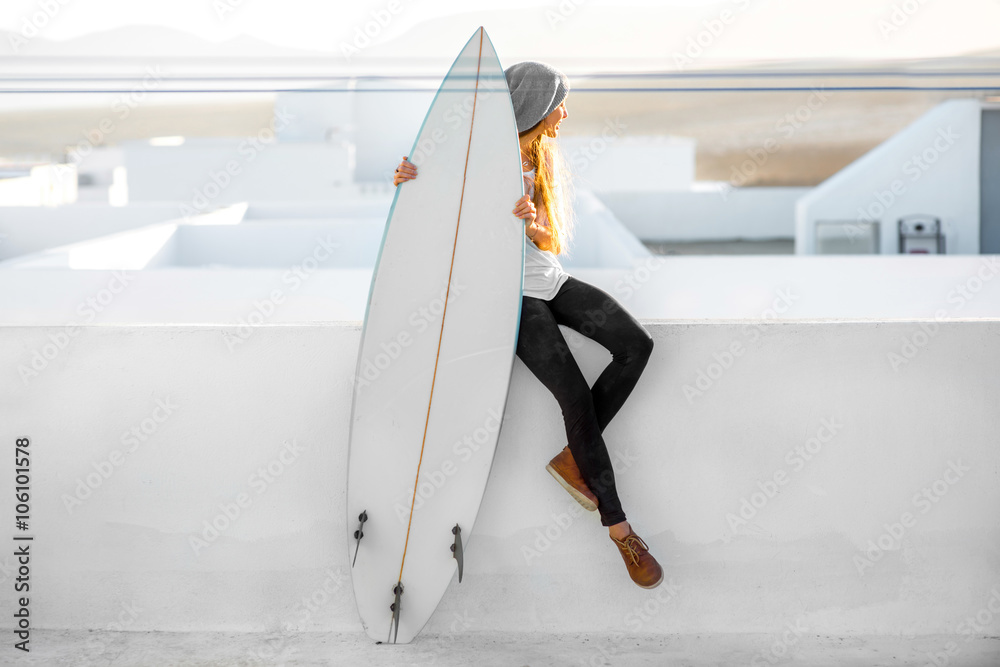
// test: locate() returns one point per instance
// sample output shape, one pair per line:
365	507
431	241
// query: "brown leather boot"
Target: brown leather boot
642	567
564	469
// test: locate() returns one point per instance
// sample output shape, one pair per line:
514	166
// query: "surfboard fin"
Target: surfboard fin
395	607
358	534
456	549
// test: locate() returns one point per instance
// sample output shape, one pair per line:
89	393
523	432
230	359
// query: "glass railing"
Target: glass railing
696	161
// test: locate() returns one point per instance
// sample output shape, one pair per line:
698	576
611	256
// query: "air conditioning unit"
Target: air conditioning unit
920	234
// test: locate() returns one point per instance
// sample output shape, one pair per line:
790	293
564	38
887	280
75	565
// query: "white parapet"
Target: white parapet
836	476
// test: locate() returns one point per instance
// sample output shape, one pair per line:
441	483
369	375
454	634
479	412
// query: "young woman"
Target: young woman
552	297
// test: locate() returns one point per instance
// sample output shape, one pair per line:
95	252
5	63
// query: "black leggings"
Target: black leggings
586	411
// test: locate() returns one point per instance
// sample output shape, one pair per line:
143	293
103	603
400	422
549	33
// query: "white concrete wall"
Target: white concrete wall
353	207
203	174
150	246
713	214
216	240
338	243
29	229
141	435
931	167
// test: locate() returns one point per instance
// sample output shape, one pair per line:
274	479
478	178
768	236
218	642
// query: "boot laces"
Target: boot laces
628	545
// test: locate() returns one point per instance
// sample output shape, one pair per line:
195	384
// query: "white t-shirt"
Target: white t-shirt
543	274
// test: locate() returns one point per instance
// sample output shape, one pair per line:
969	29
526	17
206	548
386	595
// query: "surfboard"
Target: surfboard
437	348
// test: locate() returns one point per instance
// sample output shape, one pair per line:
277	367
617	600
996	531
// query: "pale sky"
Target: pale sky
757	28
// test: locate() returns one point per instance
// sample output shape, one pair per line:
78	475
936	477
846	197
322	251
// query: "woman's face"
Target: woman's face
550	126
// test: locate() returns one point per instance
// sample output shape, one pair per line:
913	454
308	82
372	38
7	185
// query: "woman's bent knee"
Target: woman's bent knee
637	349
646	344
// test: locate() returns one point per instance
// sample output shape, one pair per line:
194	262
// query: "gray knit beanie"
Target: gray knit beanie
536	89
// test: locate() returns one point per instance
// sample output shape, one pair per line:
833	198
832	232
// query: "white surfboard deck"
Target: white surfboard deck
437	348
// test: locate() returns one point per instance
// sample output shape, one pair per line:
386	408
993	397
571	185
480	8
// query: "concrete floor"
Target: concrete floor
53	648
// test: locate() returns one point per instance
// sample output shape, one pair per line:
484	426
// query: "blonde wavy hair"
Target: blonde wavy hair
552	188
